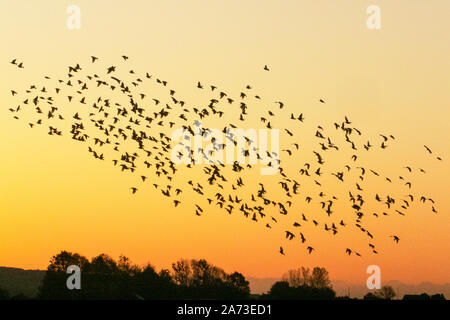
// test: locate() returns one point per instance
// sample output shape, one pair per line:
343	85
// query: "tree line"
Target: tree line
104	278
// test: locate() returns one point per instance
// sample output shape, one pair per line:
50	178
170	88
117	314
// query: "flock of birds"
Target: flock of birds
135	127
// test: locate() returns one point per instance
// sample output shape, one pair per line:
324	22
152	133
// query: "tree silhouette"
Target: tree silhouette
301	283
182	273
297	277
318	278
281	290
54	283
104	278
238	285
61	261
150	285
386	293
200	280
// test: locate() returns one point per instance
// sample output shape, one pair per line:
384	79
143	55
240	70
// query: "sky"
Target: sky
395	80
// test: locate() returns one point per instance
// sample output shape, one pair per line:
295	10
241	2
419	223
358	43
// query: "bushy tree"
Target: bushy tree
238	285
303	284
282	290
386	293
320	278
317	278
54	285
297	277
182	273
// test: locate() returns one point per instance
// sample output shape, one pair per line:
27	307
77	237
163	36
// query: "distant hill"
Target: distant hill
261	285
343	288
18	281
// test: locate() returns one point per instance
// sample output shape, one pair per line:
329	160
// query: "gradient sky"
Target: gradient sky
54	196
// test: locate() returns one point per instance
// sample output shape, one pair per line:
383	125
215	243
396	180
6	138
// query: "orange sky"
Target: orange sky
54	196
